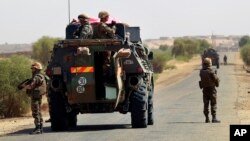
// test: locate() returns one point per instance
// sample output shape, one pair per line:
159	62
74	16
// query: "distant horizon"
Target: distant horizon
26	22
142	39
152	42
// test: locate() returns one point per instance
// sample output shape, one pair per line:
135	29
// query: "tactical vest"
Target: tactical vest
86	35
101	33
41	87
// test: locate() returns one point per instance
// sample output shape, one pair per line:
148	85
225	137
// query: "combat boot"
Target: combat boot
207	120
37	130
41	128
215	120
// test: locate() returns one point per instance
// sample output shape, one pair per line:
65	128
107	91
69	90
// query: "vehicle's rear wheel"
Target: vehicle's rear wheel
139	106
58	115
72	119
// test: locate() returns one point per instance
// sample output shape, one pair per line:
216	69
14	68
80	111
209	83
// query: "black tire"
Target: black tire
58	115
72	119
217	64
151	103
139	106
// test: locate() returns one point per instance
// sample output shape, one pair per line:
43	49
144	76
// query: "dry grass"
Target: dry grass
243	100
181	70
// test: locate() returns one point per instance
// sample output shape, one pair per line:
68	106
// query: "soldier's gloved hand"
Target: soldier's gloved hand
27	87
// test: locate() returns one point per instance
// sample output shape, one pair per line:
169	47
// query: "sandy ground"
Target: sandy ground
243	99
11	125
168	77
182	70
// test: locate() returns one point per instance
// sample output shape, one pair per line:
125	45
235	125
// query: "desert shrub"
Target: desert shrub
160	59
41	49
13	71
245	54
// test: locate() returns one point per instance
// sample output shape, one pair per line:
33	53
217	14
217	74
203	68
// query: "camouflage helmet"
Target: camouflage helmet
37	65
207	61
103	14
83	16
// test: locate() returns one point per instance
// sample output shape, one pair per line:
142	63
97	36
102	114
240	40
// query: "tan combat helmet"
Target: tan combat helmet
37	65
83	16
103	14
207	61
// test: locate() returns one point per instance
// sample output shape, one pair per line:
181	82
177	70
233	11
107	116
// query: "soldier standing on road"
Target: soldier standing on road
85	31
209	81
36	89
225	59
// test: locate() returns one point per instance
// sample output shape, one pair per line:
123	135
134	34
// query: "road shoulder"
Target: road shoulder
183	69
243	99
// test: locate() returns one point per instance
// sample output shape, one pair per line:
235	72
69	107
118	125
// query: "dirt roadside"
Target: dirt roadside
243	100
10	125
183	69
168	77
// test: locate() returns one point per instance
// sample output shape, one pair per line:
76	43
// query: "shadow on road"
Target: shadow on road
79	128
185	122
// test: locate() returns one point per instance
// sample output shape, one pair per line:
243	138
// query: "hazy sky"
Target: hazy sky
25	21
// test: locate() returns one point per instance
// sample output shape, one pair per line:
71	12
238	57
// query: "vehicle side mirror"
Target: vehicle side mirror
150	55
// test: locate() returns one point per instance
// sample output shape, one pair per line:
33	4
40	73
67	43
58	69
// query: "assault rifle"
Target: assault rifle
23	84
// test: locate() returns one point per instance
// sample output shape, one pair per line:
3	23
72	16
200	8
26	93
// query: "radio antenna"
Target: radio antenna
69	9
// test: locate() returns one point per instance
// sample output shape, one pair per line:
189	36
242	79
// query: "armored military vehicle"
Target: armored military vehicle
78	84
213	55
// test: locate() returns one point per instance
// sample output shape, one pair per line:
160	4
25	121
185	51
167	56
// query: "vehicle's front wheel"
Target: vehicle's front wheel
139	106
72	119
217	64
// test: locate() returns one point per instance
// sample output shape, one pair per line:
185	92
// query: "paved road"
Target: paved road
178	111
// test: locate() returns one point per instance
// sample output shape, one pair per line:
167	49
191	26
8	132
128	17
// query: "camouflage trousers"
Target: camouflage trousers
210	96
36	111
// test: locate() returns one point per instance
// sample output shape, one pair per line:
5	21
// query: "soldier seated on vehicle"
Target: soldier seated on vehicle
85	30
105	32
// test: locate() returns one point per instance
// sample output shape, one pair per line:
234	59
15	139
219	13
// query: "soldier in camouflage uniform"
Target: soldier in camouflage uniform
209	81
103	30
225	59
85	31
36	89
106	32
